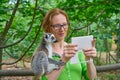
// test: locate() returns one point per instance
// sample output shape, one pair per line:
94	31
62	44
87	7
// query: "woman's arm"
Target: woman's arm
54	74
89	54
91	70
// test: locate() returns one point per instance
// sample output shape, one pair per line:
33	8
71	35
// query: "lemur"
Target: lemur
42	62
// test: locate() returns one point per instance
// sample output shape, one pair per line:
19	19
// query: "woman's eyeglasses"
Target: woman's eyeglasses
58	26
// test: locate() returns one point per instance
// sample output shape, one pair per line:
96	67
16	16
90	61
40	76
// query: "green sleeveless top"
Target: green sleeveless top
72	71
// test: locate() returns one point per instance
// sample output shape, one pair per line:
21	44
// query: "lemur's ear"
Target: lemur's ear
45	35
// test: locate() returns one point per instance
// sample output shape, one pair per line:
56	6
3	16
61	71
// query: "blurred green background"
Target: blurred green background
100	18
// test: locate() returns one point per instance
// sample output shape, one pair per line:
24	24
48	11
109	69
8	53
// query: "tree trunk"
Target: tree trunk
118	48
0	58
1	44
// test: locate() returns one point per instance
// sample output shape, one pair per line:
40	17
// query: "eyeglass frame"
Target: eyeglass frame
59	26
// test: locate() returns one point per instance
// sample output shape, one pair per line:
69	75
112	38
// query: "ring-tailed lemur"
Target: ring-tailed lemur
42	62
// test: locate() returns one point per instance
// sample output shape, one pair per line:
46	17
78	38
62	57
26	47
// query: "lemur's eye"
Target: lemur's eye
52	37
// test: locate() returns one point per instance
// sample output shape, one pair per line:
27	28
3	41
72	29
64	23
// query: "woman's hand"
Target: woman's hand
69	51
91	52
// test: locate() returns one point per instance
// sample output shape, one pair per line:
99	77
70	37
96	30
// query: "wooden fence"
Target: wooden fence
18	72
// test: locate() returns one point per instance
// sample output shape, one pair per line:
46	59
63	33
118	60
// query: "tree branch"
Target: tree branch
31	43
75	29
91	21
8	24
108	67
6	46
103	68
77	7
104	2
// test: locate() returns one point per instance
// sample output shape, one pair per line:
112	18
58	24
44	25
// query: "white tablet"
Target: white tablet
83	42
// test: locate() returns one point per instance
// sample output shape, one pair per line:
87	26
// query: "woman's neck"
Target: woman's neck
58	47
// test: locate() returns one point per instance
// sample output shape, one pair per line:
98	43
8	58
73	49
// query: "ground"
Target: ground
112	75
19	65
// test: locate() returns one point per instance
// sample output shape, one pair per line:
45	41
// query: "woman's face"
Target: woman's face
59	26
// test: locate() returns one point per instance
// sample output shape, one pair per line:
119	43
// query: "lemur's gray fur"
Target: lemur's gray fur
42	62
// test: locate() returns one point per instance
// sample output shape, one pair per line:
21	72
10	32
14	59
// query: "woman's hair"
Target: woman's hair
47	22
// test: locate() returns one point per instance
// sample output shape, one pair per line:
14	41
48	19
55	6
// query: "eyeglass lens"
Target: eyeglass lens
58	26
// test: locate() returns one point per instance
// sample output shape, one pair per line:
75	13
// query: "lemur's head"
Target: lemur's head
49	38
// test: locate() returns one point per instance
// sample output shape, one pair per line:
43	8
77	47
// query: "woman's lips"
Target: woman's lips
61	34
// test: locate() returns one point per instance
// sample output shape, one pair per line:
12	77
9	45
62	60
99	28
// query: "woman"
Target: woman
56	21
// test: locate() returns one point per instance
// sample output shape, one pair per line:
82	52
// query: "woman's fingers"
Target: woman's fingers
90	52
90	49
69	51
70	48
93	42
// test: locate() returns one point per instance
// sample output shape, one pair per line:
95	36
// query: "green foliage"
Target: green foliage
102	16
82	13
